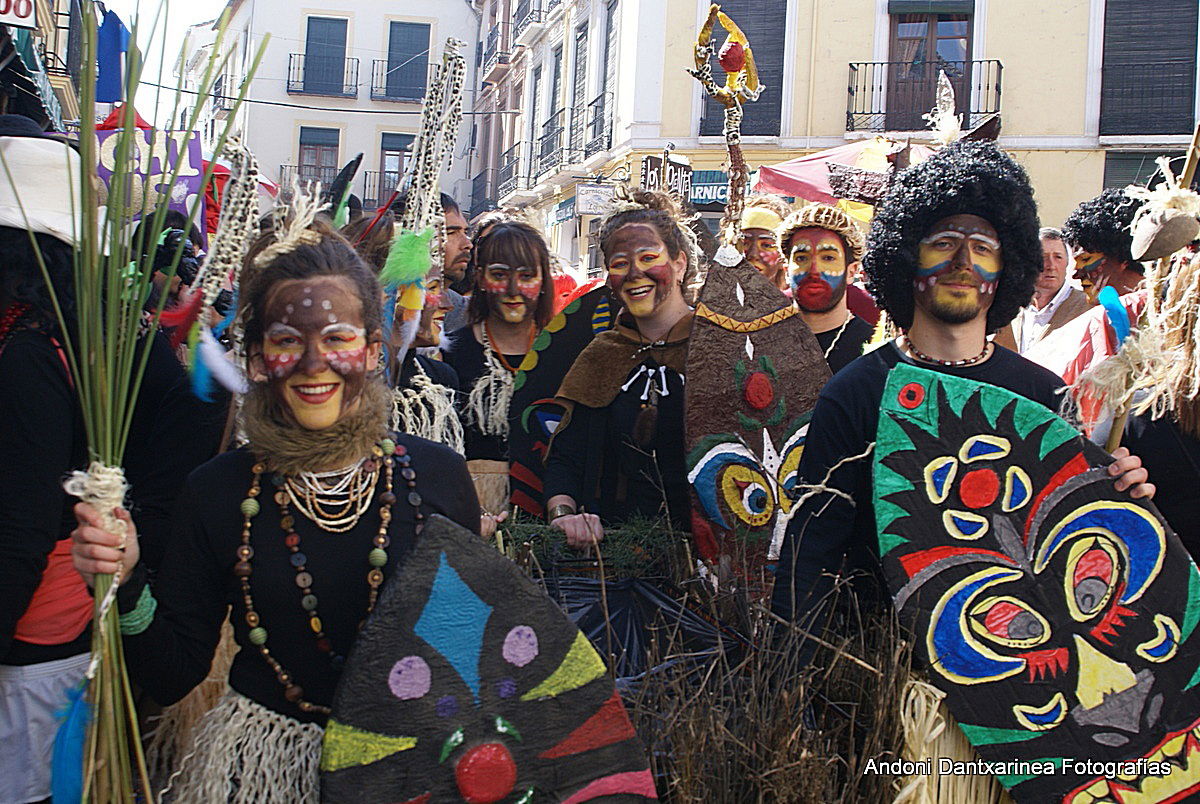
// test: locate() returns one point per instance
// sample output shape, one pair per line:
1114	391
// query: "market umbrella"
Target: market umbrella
807	176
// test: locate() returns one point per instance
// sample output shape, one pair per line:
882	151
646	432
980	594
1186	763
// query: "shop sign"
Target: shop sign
593	199
18	13
678	178
565	210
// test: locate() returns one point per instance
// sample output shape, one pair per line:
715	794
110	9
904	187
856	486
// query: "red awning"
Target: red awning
807	177
117	117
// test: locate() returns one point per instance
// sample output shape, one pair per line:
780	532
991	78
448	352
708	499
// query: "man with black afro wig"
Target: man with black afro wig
967	178
1098	230
952	255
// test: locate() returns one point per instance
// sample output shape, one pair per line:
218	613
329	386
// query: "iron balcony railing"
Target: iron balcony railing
551	5
315	74
495	51
483	195
221	102
391	85
378	186
550	144
896	95
599	125
307	174
528	12
510	177
1147	98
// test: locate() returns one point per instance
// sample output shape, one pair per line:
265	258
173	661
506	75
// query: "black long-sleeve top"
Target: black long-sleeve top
41	440
595	460
196	582
829	533
1172	459
464	354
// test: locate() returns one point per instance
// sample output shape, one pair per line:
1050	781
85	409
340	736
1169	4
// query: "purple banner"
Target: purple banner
154	154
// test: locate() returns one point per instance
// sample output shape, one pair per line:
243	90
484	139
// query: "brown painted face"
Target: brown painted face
512	292
437	304
958	268
817	269
761	249
1096	271
640	270
315	350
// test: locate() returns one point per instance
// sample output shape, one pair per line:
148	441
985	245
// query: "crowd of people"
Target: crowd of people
288	510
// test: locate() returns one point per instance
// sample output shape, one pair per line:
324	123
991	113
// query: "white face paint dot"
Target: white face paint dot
307	302
332	318
326	304
291	308
307	291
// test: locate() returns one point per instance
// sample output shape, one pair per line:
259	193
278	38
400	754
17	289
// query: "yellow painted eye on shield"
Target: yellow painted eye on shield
747	493
789	476
1007	621
1093	572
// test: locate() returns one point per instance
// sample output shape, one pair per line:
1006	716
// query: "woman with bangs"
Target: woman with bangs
512	302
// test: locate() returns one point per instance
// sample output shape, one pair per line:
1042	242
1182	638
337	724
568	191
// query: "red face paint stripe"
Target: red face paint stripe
1076	466
915	562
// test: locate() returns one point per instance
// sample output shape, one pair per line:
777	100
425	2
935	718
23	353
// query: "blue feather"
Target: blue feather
389	320
66	765
1117	315
202	381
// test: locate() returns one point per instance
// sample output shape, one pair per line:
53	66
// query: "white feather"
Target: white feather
223	370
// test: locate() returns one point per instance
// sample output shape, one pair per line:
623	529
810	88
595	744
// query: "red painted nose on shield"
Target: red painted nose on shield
486	774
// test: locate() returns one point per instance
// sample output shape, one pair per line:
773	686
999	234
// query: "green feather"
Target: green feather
408	259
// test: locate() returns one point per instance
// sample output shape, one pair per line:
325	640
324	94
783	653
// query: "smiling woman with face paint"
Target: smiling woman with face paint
513	300
619	449
294	532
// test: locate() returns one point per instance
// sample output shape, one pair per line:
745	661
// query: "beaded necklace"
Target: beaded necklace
966	361
387	452
489	345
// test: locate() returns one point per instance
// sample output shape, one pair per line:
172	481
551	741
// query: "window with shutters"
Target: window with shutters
1122	168
535	91
325	56
318	154
408	60
579	90
762	22
1148	83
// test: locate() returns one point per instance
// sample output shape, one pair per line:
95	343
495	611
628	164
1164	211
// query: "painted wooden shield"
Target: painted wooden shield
533	412
1058	615
753	374
469	684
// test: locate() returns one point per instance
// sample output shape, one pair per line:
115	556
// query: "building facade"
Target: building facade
40	49
336	79
1088	92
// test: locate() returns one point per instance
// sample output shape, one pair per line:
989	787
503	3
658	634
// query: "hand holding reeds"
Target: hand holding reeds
97	551
583	530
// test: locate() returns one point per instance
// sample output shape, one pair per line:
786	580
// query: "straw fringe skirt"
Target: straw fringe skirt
245	753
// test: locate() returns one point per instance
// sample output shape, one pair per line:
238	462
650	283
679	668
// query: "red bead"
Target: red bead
401	449
292	539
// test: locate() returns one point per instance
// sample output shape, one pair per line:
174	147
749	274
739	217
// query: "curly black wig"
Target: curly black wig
21	278
965	178
1101	225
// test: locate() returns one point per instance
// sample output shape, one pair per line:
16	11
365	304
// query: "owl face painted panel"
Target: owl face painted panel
469	684
1057	614
753	374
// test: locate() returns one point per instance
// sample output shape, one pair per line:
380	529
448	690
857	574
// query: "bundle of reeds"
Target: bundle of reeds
107	349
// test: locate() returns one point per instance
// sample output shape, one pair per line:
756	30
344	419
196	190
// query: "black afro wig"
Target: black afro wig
1101	225
965	178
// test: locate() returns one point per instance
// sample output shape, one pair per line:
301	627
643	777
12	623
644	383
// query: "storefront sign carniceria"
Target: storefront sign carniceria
593	199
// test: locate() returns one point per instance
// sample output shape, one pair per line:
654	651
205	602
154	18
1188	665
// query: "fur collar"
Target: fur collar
291	449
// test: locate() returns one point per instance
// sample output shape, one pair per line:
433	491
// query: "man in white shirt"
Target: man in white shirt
1054	301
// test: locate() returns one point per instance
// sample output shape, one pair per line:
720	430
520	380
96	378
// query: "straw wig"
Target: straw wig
965	178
